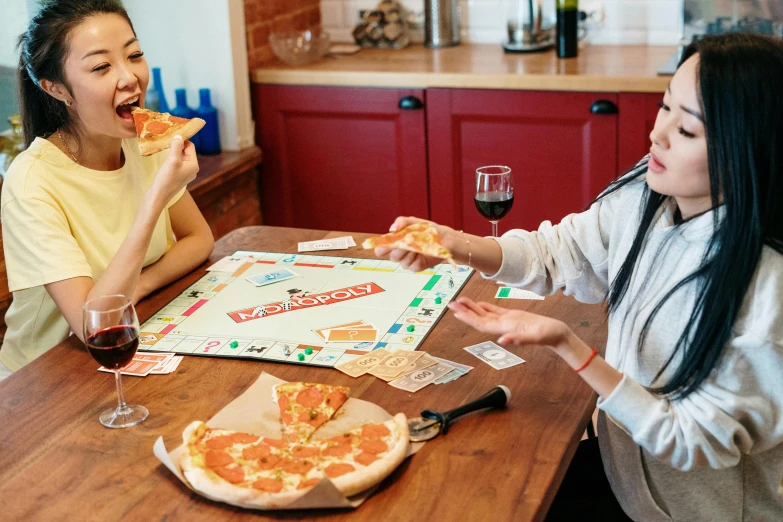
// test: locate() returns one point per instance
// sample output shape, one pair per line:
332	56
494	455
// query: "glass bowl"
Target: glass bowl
299	47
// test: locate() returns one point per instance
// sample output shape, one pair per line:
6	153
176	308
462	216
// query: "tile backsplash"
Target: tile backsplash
654	22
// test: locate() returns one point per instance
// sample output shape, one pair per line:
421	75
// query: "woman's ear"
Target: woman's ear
57	91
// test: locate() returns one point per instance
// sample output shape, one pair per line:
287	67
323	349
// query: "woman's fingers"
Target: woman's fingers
382	251
403	221
489	307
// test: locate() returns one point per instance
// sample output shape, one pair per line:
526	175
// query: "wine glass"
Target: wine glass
111	333
494	193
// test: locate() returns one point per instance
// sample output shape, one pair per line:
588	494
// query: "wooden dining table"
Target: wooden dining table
57	462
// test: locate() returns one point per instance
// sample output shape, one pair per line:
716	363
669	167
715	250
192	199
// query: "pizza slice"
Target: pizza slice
422	238
306	406
156	130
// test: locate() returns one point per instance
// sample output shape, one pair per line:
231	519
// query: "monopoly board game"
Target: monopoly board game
304	309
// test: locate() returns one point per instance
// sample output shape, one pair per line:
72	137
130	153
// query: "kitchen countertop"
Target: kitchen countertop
604	68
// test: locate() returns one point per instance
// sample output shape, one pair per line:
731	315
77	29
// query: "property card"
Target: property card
395	363
143	364
336	243
275	276
494	355
517	293
417	380
321	331
169	367
363	364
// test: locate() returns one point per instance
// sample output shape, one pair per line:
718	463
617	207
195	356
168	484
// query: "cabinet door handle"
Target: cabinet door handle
603	107
410	103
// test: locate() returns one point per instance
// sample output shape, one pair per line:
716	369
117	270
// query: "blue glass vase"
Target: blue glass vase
157	85
183	111
209	136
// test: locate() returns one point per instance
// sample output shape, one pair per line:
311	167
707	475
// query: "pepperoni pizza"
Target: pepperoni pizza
156	130
252	471
422	238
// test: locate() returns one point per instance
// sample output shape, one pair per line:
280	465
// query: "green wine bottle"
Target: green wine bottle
567	17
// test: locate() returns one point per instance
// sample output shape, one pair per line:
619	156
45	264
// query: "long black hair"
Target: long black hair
739	76
44	49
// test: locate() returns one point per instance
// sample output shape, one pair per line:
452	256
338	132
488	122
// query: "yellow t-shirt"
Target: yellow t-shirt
61	220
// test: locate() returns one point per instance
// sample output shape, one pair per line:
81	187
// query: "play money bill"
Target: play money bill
425	361
395	363
494	355
364	363
417	380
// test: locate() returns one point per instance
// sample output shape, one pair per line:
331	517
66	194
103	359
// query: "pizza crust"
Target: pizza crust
364	478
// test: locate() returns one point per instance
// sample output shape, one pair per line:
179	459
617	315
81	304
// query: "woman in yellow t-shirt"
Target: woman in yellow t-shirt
83	213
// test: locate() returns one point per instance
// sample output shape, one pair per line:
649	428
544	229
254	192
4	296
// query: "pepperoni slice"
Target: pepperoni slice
303	452
342	439
220	442
268	462
310	397
374	431
267	484
340	450
286	418
336	399
282	401
244	438
177	119
313	417
277	443
139	127
308	483
256	452
335	470
373	446
365	458
300	467
217	458
158	127
233	475
141	117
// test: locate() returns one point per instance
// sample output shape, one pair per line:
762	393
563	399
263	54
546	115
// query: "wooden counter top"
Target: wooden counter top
483	66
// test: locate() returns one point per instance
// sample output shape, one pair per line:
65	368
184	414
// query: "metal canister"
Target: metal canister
441	23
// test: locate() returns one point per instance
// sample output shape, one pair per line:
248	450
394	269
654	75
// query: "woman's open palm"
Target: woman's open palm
513	326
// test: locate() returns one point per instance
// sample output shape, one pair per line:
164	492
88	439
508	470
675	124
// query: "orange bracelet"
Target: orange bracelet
589	359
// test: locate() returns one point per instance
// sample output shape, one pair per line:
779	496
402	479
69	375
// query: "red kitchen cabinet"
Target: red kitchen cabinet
561	147
638	112
340	158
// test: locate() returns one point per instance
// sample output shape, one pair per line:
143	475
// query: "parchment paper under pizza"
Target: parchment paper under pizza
264	463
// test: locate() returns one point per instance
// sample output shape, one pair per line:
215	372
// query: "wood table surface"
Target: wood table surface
58	463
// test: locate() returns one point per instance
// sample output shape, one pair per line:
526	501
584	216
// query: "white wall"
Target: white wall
15	17
200	43
655	22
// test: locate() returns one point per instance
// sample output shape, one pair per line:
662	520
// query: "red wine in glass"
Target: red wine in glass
494	194
111	333
494	205
113	347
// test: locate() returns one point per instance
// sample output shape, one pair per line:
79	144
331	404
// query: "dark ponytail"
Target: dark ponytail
43	50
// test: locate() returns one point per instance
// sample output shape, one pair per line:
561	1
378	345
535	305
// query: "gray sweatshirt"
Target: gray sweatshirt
715	455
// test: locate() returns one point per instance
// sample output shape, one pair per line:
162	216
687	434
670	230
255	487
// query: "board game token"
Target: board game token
234	344
300	356
438	300
411	328
308	350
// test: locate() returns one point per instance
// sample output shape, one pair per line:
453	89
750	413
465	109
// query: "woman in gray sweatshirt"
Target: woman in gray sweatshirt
687	248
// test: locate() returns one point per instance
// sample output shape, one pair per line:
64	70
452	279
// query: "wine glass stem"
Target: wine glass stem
494	228
120	397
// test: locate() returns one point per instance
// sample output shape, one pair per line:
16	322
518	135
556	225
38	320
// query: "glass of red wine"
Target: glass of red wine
494	193
111	333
